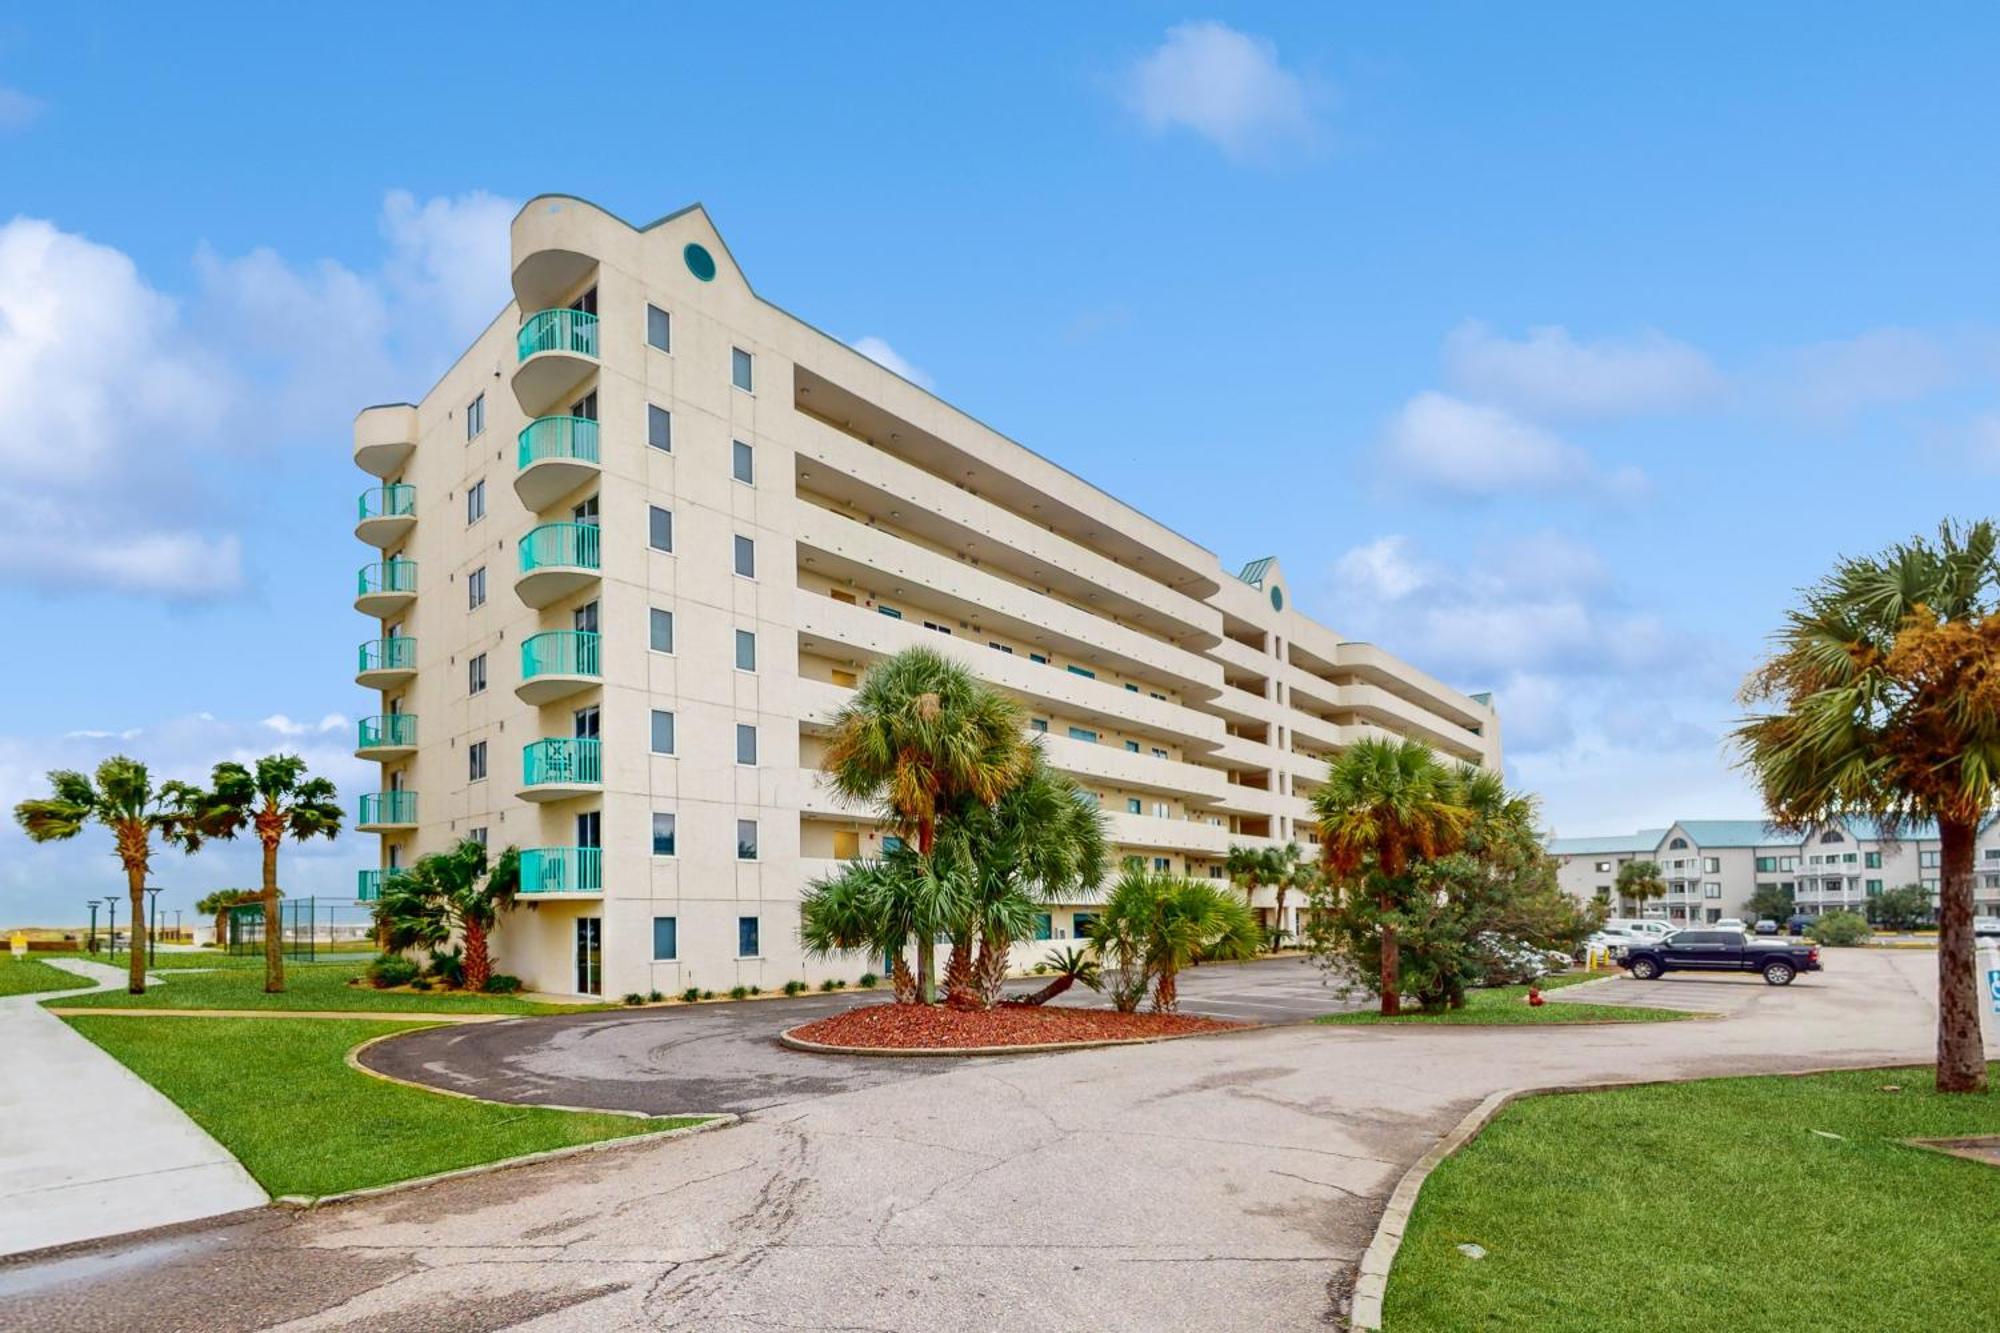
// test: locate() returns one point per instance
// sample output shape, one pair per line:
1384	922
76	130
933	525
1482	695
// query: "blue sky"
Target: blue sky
1551	346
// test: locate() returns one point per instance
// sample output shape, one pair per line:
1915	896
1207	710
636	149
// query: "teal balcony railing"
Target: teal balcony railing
397	501
562	870
558	331
368	883
388	807
399	729
397	653
562	761
548	438
397	575
559	652
564	544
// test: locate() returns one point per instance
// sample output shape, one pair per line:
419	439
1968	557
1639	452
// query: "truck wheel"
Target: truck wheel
1779	974
1644	969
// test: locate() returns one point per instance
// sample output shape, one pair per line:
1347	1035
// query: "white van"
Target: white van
1642	928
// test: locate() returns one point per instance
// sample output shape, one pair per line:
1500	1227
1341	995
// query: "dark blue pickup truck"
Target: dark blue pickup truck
1721	951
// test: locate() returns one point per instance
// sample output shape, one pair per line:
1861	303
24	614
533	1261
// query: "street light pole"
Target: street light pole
93	926
153	927
111	921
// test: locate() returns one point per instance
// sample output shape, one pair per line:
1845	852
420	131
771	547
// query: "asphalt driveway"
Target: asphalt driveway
1222	1183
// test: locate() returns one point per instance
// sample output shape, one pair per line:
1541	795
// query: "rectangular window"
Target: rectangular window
740	369
746	743
663	731
1848	858
1132	805
475	674
661	626
746	839
890	612
666	939
475	761
1080	924
942	629
659	528
1711	890
1082	671
1765	864
659	428
1874	887
746	937
1038	724
1927	860
746	650
1875	860
1037	657
1083	734
475	589
1002	647
478	835
1131	747
1158	753
1134	689
475	502
475	416
891	843
663	833
742	462
659	329
1163	863
746	557
1045	926
1712	864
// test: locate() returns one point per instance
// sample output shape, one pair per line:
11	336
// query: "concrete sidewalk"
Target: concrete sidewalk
88	1148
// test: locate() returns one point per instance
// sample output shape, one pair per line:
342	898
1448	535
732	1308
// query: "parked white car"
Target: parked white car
1729	923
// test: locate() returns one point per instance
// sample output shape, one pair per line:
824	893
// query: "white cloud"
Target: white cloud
1981	440
449	256
1550	374
46	883
878	351
1223	85
1836	379
1477	450
17	109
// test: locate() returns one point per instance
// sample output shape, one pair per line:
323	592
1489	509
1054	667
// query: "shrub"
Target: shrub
756	990
448	966
708	995
391	969
654	997
840	983
794	987
502	983
1840	929
691	994
739	992
421	983
868	980
635	998
826	985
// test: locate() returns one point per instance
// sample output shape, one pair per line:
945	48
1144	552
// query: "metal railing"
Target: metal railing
562	870
559	652
396	653
397	575
567	761
558	331
383	729
397	501
569	545
388	807
546	438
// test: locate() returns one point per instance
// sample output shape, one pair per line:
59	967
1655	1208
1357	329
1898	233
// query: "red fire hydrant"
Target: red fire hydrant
1534	995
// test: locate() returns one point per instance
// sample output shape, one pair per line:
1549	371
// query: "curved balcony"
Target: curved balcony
548	872
387	663
384	438
387	811
557	559
557	350
385	588
557	455
556	664
386	515
559	767
386	736
369	880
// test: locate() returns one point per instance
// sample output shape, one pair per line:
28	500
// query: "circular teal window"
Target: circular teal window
699	261
1277	598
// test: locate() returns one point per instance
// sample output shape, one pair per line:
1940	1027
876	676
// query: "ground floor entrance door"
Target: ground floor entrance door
590	955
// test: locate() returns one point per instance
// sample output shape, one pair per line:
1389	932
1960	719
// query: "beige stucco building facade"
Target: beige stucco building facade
642	539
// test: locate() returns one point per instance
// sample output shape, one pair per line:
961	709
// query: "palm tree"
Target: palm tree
1042	841
123	800
1250	868
1294	871
1072	966
453	893
217	904
1641	882
877	905
1883	690
1386	805
921	737
278	800
1154	925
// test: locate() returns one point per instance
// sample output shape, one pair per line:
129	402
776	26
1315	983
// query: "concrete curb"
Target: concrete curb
360	1015
353	1061
1371	1283
971	1052
306	1203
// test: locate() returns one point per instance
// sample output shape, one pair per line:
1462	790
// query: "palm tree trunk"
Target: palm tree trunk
134	858
926	941
274	943
989	974
222	928
478	962
1166	993
958	975
1062	982
902	981
1961	1052
1283	888
1392	970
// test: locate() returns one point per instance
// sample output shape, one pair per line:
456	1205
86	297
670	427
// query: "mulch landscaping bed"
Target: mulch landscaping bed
934	1027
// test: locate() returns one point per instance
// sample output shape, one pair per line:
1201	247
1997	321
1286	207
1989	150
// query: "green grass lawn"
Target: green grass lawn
307	986
1509	1005
1709	1205
29	976
278	1094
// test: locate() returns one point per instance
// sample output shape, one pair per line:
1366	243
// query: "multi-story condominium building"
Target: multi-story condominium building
640	542
1712	866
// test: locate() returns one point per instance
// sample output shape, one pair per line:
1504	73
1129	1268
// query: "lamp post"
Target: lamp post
153	927
93	905
111	921
177	926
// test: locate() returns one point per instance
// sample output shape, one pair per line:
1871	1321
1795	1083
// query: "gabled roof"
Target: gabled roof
1645	840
